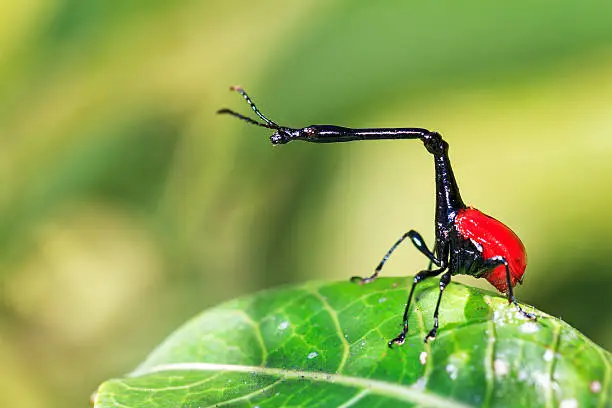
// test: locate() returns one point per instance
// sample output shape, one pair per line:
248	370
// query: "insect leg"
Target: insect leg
444	281
399	340
431	261
418	242
500	260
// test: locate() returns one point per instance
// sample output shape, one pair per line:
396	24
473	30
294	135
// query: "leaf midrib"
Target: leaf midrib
399	392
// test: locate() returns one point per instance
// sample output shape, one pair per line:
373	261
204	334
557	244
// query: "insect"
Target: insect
467	241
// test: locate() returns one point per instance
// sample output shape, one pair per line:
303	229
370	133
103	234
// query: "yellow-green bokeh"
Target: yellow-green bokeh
127	205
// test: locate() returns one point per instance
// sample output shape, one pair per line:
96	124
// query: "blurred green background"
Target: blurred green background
127	205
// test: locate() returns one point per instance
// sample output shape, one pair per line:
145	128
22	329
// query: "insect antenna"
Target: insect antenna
268	123
245	118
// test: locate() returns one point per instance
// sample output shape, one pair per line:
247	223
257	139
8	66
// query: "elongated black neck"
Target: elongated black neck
448	198
335	134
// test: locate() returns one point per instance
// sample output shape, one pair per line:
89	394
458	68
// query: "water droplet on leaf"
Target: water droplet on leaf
529	327
423	357
548	355
452	371
595	387
568	403
500	367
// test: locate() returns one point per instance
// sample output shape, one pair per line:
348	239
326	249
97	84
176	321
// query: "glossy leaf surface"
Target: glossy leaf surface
325	345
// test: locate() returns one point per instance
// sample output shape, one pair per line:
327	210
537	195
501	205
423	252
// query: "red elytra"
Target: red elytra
496	239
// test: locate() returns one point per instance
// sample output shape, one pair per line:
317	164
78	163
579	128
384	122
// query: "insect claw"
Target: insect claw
362	281
528	315
399	340
525	314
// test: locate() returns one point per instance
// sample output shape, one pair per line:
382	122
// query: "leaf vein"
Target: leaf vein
379	387
489	365
356	398
246	396
423	331
258	335
366	296
606	380
170	388
334	316
551	368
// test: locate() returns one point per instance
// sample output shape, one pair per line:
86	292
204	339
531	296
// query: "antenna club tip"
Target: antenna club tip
236	88
224	110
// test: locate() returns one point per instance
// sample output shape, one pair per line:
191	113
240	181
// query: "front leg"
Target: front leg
421	276
418	242
444	281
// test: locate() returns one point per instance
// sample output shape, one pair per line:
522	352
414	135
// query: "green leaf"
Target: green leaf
325	345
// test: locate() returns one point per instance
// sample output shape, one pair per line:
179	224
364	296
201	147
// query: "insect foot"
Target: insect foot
399	340
362	281
431	335
528	315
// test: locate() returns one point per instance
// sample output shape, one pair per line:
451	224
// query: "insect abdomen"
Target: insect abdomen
496	239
